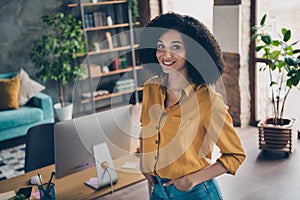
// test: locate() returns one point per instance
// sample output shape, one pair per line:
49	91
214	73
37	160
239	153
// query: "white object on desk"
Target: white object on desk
130	165
35	180
106	173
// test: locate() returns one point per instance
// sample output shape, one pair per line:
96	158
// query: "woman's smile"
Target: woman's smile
171	52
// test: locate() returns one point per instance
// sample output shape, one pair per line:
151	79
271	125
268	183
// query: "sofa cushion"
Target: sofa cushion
28	87
9	90
24	115
8	75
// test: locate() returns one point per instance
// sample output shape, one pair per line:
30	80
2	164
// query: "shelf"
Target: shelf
96	31
111	50
119	71
98	3
98	28
111	95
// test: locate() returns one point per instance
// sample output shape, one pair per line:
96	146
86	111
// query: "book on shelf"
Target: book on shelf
124	38
89	20
125	85
119	16
95	93
98	18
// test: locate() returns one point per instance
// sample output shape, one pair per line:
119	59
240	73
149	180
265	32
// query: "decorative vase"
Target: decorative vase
63	113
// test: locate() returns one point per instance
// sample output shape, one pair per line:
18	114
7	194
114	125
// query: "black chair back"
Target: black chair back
39	150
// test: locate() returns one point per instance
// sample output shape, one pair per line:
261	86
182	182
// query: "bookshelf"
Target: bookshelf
110	65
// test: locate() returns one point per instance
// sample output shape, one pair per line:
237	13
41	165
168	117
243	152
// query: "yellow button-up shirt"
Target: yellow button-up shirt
179	139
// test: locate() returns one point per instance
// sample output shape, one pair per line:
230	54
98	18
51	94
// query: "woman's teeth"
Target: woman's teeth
168	62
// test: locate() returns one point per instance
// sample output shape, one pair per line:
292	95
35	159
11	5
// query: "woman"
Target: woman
182	116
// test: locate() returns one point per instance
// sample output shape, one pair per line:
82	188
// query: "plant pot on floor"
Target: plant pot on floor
63	113
277	137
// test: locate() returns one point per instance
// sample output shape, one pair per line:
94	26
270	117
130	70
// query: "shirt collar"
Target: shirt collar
188	90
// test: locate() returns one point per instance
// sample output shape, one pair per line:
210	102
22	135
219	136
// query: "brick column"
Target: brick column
231	22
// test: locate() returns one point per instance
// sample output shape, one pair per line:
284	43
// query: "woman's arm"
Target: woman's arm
187	182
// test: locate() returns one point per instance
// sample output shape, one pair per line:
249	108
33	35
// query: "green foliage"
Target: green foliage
133	4
55	53
281	58
20	197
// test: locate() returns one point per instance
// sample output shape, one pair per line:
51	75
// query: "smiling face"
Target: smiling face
171	53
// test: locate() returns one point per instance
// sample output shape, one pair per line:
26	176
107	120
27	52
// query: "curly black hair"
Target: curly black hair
204	58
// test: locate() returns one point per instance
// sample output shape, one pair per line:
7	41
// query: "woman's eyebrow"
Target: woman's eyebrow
171	42
177	42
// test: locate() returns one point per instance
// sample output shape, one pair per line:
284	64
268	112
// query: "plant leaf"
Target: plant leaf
263	20
273	83
291	61
266	39
253	37
296	51
287	35
275	43
293	81
254	28
258	48
274	55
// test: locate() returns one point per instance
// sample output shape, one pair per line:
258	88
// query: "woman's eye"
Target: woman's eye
160	46
176	47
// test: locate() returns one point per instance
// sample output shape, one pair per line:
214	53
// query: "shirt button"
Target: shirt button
156	141
156	128
155	157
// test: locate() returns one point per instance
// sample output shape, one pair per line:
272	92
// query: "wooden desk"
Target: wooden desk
72	186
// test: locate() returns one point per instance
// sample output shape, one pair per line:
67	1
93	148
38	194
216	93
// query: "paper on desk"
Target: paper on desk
7	195
93	181
36	195
130	165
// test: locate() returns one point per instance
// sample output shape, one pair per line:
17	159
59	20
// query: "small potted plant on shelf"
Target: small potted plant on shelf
282	62
55	54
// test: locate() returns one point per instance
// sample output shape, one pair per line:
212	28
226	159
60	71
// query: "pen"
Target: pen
50	180
40	179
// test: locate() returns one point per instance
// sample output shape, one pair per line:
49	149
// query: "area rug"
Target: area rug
12	162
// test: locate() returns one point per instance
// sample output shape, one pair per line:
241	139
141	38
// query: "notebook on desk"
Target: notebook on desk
106	173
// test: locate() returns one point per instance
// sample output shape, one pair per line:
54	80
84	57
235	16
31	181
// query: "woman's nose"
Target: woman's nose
167	54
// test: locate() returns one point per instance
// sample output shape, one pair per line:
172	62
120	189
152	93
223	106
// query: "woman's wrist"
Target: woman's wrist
207	173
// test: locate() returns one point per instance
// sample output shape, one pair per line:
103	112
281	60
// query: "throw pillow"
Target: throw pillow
9	90
28	87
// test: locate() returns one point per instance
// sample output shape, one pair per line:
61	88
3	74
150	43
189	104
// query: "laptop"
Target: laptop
106	173
74	139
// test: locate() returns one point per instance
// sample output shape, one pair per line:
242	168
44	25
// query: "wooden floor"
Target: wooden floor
261	177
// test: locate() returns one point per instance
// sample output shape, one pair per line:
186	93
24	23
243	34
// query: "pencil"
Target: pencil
50	180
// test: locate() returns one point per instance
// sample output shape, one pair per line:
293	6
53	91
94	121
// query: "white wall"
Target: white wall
227	27
200	9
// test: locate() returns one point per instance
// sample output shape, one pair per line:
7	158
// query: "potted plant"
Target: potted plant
55	54
282	62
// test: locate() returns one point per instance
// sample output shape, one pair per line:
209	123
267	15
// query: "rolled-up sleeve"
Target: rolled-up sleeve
220	129
232	152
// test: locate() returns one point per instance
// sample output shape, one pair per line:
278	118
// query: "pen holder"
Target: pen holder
47	193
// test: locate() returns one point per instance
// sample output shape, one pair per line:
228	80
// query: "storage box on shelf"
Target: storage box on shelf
108	31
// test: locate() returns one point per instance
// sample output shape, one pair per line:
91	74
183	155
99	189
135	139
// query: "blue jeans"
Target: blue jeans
208	190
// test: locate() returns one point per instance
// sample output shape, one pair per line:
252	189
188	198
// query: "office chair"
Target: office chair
39	150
